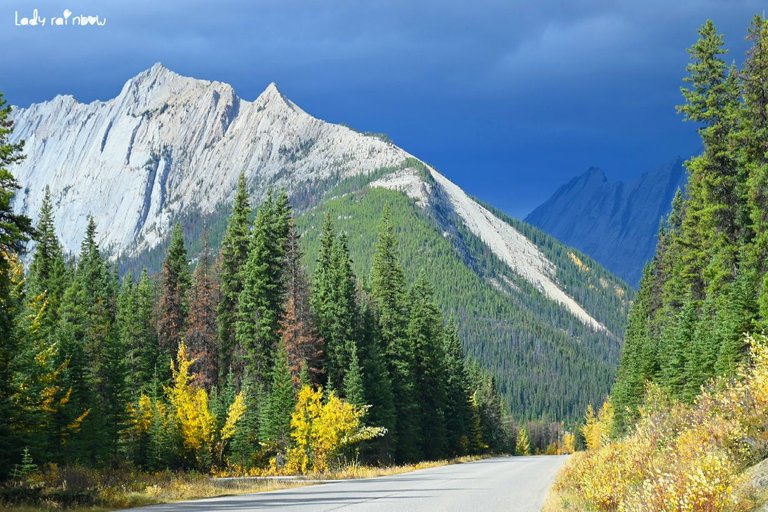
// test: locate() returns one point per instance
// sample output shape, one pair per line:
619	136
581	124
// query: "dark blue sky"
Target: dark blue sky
508	98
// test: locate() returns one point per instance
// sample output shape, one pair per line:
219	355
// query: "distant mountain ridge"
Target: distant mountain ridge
169	149
615	223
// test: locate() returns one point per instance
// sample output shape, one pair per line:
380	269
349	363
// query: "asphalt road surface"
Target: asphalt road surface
509	484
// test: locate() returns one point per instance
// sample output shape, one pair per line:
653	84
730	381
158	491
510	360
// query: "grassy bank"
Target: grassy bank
703	456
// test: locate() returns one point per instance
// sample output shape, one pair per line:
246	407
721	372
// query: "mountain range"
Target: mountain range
616	223
546	319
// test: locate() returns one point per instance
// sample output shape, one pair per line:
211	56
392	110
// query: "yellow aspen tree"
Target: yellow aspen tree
190	406
321	429
234	413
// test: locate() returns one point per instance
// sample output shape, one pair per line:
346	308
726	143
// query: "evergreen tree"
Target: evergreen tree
303	345
353	381
144	348
377	384
425	331
388	293
232	259
752	141
172	304
638	361
711	225
489	410
245	443
15	229
260	305
702	295
90	343
275	420
458	409
47	273
333	301
201	330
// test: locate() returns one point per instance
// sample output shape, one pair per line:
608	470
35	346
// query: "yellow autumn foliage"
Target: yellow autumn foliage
679	457
597	428
188	412
321	429
234	413
190	405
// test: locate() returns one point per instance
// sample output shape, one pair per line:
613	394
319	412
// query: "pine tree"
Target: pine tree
275	419
388	293
303	345
232	259
425	331
638	360
377	384
201	331
458	411
322	283
711	225
143	348
353	388
90	343
37	375
735	318
47	272
333	301
245	443
15	231
172	305
489	409
676	341
261	301
752	141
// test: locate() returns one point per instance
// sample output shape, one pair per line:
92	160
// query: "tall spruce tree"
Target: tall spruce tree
260	306
354	391
47	272
752	141
90	343
15	231
232	259
688	321
389	295
138	335
333	301
425	331
172	304
377	384
458	408
275	419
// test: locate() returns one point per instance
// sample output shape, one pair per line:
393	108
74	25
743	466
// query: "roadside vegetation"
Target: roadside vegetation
685	428
678	456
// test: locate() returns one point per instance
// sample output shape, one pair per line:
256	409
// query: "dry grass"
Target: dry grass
355	471
140	489
680	457
158	488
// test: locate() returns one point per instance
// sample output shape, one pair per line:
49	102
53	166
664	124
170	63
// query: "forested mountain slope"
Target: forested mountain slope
547	319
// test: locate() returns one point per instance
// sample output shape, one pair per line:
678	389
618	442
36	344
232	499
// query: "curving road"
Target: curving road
509	484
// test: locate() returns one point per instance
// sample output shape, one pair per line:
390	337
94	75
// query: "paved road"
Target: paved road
509	484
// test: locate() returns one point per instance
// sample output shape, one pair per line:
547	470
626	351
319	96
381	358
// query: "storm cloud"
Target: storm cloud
508	98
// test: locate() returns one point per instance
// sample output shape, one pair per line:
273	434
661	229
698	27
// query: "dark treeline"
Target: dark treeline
708	283
200	367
